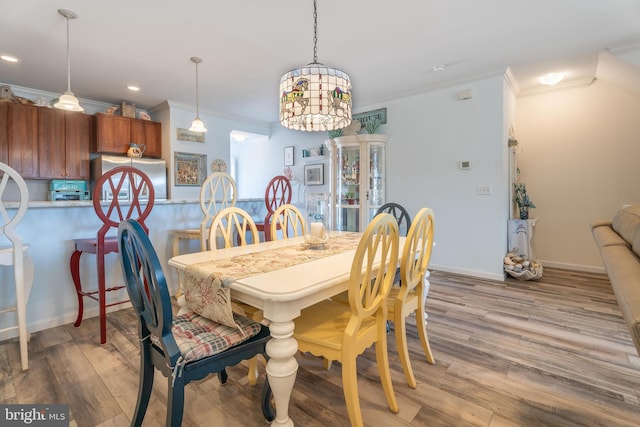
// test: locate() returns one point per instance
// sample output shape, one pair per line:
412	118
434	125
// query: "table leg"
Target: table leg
282	368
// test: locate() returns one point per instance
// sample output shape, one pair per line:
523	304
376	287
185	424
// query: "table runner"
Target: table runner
206	284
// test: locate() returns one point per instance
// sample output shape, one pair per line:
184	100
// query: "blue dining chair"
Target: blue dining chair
183	348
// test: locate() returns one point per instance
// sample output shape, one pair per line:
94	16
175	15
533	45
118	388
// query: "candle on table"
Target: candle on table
317	229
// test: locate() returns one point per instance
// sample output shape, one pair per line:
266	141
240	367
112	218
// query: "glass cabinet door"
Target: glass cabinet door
348	188
357	179
376	190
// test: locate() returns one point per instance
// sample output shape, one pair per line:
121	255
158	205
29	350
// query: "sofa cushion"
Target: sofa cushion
635	244
623	268
626	222
604	235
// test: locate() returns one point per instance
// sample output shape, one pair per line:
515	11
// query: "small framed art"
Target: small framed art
314	174
190	168
288	156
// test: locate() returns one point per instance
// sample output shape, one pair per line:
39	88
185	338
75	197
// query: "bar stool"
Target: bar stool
115	185
278	193
16	255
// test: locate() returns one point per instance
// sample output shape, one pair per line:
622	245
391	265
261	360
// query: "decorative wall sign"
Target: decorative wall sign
380	114
314	174
288	156
190	169
187	135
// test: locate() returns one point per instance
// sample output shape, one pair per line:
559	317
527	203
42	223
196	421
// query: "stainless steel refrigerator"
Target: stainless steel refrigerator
155	169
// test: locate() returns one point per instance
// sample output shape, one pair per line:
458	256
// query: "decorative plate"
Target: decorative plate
218	165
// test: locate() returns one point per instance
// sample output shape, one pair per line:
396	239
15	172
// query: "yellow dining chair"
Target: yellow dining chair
230	226
410	296
289	220
340	332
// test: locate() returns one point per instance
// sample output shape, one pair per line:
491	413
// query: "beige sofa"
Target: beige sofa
619	244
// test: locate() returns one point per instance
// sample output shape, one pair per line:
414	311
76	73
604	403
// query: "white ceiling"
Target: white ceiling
389	48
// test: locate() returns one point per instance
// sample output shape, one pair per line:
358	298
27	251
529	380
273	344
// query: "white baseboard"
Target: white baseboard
575	267
467	272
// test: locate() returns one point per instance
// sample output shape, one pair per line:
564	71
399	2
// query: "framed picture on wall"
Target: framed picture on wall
190	168
314	174
288	156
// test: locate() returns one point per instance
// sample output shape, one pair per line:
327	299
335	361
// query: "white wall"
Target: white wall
216	143
429	134
579	159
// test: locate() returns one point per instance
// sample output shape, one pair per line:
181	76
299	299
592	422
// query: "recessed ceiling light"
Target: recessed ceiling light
438	67
9	58
551	78
133	88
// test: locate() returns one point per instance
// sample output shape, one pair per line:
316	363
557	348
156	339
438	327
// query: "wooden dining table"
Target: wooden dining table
281	278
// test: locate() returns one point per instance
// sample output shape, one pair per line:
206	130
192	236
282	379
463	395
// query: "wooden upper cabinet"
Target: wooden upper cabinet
115	133
22	139
4	132
63	144
148	133
79	132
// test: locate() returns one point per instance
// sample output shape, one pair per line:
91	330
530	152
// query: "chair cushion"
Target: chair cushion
198	337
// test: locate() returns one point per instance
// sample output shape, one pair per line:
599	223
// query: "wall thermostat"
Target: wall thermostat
464	164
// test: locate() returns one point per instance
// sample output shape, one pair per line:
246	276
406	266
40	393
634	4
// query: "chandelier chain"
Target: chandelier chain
315	32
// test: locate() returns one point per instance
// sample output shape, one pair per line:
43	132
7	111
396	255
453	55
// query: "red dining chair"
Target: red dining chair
278	193
128	193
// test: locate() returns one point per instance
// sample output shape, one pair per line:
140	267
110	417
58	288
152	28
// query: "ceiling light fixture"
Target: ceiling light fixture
133	88
9	58
315	97
551	78
197	125
68	101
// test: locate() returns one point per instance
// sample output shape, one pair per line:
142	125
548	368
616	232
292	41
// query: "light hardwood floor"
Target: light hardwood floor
553	352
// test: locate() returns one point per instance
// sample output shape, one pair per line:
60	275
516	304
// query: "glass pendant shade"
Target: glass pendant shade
315	98
68	101
197	125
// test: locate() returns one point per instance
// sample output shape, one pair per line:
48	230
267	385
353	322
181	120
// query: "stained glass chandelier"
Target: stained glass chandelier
315	97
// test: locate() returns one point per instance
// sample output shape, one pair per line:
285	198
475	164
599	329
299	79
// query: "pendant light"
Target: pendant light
197	125
68	101
315	97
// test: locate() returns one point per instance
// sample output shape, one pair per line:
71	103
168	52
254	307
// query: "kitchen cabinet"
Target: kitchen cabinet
22	139
115	133
357	179
148	133
63	144
4	131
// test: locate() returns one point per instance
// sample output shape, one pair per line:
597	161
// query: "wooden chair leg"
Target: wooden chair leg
21	310
421	324
350	386
146	386
400	327
74	265
175	401
252	375
102	299
382	360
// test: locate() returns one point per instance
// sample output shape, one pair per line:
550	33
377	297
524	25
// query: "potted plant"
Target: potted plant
522	199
